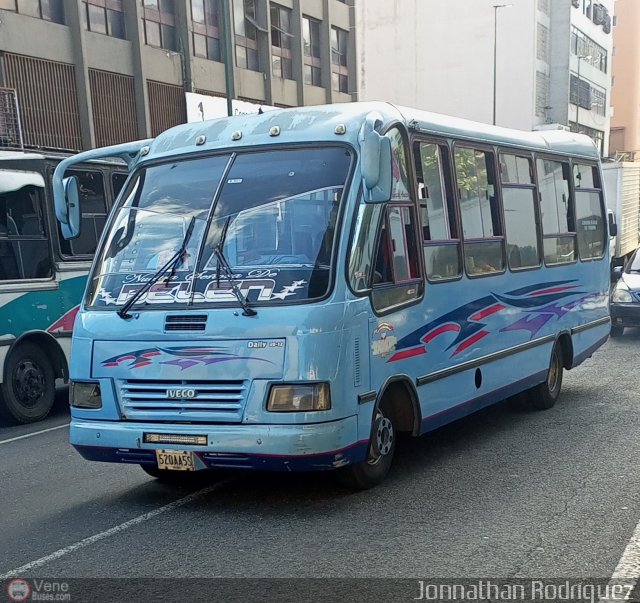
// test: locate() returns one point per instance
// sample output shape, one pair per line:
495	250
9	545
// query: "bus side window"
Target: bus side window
590	220
117	182
480	212
441	243
558	228
519	201
24	245
93	207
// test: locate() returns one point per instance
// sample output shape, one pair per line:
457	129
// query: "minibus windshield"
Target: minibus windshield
279	209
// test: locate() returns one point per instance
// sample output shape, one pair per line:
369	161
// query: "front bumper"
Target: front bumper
311	447
625	315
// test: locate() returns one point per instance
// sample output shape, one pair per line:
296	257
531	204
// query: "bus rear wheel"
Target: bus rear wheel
545	395
375	467
28	390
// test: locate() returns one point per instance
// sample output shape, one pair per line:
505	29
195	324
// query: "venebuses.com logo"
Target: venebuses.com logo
18	590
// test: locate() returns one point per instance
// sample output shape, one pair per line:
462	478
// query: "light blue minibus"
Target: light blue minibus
289	291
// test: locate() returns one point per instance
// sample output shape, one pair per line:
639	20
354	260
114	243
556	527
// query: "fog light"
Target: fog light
85	395
299	398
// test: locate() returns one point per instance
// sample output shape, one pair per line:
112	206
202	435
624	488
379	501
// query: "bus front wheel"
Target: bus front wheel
374	469
545	395
28	390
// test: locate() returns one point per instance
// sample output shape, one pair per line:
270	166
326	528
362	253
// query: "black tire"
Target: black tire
616	331
545	395
29	386
375	468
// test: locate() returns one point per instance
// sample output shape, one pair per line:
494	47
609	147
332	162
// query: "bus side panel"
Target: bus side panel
466	392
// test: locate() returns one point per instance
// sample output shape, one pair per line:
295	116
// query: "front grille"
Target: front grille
214	401
186	322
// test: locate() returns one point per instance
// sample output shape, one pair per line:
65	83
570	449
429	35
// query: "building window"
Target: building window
105	17
542	50
339	69
159	24
246	34
587	50
312	61
584	95
206	33
596	135
49	10
281	38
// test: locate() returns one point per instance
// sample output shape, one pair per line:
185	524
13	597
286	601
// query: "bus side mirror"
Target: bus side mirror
69	213
617	273
613	227
376	167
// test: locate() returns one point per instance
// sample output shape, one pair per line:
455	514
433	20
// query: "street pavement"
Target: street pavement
508	492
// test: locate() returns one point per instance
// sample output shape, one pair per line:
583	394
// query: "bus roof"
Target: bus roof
318	123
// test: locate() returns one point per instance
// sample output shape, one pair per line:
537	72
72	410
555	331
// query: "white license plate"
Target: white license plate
176	460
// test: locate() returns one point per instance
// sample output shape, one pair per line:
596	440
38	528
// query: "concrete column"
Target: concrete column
184	27
263	16
325	53
297	49
75	23
135	34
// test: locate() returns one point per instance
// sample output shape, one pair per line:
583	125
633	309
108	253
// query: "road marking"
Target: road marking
35	433
627	571
20	571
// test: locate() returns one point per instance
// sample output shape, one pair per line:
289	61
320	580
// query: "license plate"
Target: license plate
176	460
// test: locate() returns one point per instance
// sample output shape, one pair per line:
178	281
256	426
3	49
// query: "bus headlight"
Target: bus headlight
621	296
85	395
299	398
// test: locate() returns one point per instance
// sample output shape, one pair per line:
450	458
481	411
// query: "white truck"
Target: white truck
622	192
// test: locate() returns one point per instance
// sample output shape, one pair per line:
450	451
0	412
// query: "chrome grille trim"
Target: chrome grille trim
215	401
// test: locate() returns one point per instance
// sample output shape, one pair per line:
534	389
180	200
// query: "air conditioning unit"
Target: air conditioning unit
576	3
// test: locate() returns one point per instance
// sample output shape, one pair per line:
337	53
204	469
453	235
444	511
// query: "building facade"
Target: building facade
90	73
625	90
528	64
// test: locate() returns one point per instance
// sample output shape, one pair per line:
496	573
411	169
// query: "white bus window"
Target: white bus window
590	225
439	230
556	214
479	210
518	201
24	246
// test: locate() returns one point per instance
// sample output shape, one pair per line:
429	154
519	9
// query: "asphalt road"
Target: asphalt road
509	492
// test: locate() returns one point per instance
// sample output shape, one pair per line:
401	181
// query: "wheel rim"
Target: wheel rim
29	382
382	439
554	373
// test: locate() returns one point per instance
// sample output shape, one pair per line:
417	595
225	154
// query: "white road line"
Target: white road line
112	531
35	433
627	571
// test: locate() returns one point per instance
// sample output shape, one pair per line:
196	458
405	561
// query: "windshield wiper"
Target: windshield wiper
228	273
172	264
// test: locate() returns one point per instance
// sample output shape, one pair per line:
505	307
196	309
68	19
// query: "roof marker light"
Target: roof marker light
201	139
144	151
340	129
237	135
274	131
